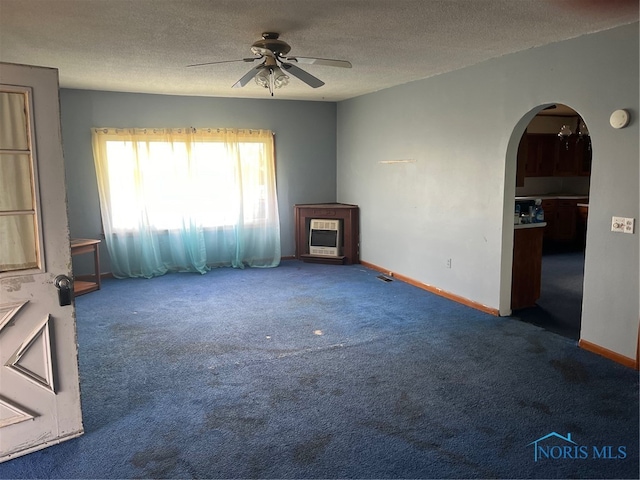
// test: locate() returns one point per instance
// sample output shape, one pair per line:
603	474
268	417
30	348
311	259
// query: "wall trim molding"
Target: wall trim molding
436	290
609	354
584	344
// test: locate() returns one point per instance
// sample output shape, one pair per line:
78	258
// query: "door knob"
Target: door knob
65	289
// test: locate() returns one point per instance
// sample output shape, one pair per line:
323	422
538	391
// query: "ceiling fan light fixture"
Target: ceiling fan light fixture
280	79
272	77
262	78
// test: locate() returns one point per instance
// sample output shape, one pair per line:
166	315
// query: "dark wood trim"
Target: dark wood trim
611	355
347	213
288	257
81	246
436	290
88	278
339	260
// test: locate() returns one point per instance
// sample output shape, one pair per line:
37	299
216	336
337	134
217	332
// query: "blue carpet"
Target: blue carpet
322	371
559	308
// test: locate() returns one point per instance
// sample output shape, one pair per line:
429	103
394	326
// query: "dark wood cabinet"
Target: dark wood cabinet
581	224
549	206
537	155
547	155
531	159
522	160
349	215
527	267
565	230
584	155
562	218
566	156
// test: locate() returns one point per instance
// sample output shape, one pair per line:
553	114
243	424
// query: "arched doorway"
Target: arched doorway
553	166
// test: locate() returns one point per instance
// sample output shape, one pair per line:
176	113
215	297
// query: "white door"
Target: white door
39	385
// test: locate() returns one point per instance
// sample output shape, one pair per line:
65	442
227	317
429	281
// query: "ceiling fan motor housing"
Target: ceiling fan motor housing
270	42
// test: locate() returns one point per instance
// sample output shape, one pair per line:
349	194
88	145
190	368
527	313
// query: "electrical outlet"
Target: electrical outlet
622	224
628	225
448	263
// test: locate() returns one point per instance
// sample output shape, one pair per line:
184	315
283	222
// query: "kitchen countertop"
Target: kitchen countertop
519	226
561	196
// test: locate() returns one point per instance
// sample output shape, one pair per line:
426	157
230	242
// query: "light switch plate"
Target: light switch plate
617	224
622	224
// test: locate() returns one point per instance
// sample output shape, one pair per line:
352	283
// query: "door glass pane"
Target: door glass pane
15	182
13	118
17	232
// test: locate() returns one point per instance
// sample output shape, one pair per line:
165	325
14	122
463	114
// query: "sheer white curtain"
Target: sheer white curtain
187	199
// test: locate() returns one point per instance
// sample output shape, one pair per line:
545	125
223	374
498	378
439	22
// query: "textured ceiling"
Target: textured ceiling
144	45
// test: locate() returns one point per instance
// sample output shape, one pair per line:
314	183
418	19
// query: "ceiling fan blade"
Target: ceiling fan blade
247	77
302	75
252	59
320	61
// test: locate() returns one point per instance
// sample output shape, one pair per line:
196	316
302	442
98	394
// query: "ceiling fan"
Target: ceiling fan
271	73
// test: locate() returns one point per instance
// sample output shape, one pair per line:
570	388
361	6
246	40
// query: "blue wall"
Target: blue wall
454	197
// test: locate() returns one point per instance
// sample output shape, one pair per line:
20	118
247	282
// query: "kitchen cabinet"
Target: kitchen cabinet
522	160
531	156
566	214
549	206
581	223
527	265
566	156
547	155
584	155
539	155
562	217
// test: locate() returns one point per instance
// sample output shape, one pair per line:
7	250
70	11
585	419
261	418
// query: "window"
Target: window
169	182
192	180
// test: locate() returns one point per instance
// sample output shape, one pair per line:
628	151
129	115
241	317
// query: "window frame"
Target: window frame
31	152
